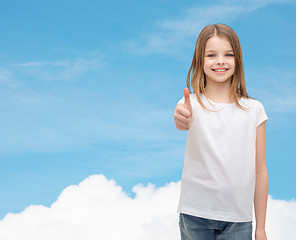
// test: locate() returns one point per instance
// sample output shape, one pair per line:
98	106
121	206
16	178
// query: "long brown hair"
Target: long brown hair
198	79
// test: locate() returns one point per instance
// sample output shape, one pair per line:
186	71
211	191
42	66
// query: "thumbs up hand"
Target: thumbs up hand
183	113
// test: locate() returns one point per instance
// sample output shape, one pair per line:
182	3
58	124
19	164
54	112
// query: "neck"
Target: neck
218	92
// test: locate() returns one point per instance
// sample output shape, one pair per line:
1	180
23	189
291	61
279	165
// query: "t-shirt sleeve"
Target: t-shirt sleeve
260	114
182	100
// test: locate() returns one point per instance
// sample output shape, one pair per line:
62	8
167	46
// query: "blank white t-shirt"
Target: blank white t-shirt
218	179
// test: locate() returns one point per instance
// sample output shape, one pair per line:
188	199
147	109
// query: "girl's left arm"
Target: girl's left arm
261	189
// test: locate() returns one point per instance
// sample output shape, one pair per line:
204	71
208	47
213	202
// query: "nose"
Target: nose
220	60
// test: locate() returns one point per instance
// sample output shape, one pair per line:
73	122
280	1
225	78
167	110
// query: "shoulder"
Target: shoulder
252	103
193	97
256	108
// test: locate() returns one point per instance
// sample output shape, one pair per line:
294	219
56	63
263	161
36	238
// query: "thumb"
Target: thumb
187	98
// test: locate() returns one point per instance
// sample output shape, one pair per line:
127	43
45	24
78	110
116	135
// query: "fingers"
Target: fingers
182	117
181	125
181	128
182	110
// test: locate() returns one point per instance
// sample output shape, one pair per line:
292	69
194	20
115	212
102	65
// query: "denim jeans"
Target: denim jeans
196	228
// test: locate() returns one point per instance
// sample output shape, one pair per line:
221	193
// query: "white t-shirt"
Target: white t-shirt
218	179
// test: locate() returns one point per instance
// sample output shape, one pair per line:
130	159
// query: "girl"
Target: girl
224	169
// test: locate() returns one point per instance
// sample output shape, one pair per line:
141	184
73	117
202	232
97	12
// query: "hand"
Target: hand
183	113
260	234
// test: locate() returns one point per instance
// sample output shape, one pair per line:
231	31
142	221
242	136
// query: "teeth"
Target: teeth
220	70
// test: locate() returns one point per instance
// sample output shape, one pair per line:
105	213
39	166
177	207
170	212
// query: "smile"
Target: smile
220	70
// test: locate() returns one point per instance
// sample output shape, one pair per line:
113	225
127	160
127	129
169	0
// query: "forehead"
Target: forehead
216	43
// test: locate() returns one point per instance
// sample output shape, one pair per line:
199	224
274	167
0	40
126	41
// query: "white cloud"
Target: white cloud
36	64
197	17
62	69
97	208
255	3
7	79
281	219
170	36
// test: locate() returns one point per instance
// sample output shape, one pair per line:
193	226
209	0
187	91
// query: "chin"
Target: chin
221	80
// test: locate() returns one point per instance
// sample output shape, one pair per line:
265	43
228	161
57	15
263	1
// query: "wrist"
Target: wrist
260	234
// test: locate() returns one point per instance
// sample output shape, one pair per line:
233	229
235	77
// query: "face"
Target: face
218	60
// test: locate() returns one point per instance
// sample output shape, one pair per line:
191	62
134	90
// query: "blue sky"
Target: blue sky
89	87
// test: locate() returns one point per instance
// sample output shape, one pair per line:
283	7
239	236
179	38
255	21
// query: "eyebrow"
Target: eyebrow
214	50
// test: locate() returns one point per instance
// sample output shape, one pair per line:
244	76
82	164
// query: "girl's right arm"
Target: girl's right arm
183	113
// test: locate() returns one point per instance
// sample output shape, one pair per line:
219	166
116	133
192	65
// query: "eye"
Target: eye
229	55
210	55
